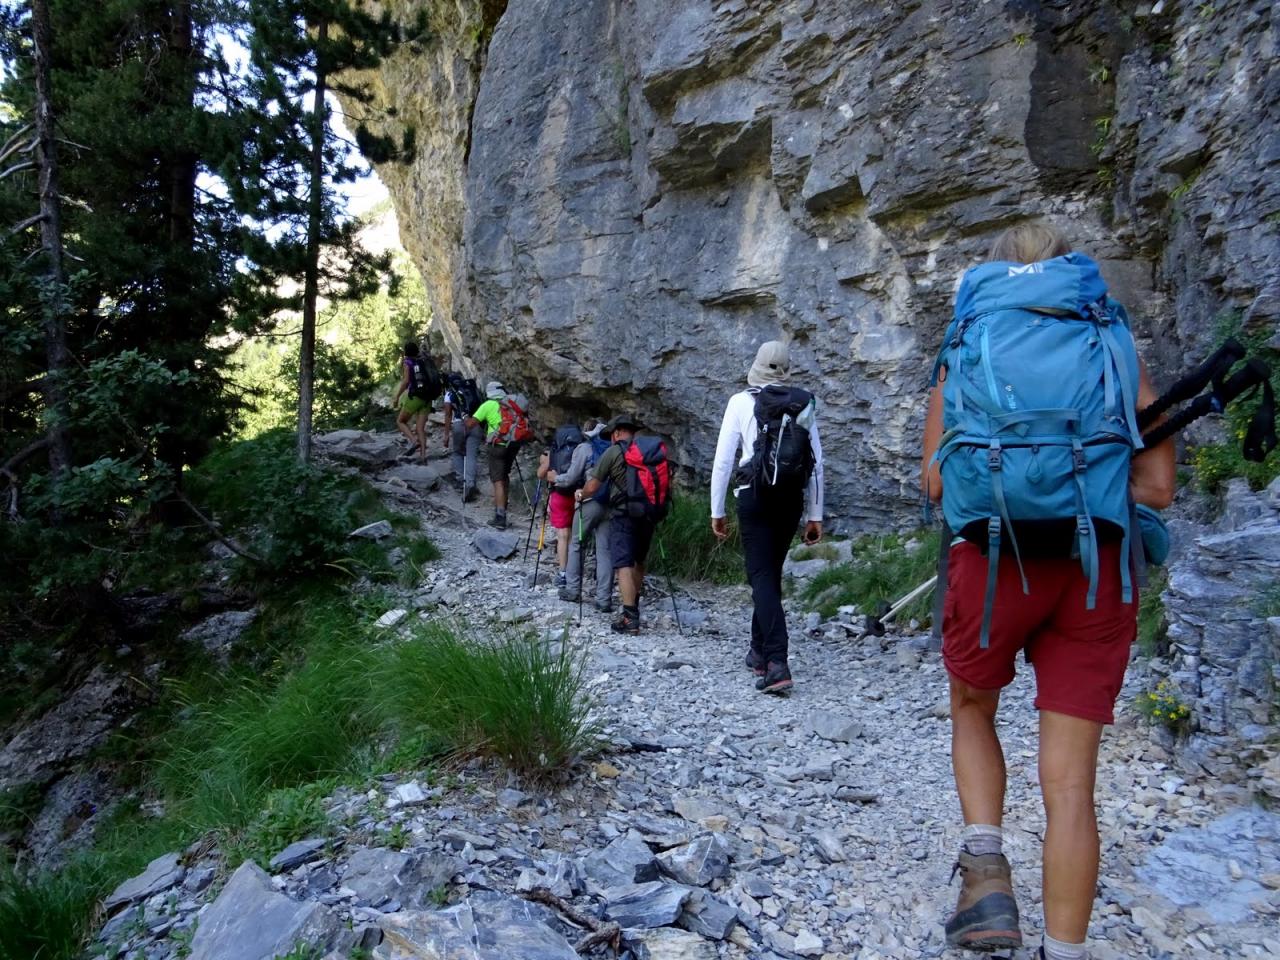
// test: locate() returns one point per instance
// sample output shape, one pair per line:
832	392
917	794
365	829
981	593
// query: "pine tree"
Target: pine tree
300	52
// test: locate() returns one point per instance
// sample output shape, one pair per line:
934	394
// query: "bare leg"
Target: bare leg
500	494
976	756
402	424
1068	770
562	547
627	586
420	428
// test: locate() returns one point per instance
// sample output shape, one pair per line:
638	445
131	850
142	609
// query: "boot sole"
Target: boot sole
987	941
781	687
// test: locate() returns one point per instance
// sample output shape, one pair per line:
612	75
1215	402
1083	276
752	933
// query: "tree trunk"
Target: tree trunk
54	295
311	288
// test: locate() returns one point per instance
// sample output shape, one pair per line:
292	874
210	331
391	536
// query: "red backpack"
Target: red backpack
514	425
648	485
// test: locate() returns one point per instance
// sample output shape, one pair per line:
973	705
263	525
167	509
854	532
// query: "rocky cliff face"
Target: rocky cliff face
618	201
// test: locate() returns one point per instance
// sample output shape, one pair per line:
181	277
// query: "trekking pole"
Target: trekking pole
582	572
533	515
1213	369
542	536
531	504
671	586
876	622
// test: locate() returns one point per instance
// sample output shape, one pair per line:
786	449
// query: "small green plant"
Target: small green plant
439	897
1267	603
397	838
300	952
1106	176
1102	127
1163	706
1021	39
290	814
1099	74
1207	10
1189	181
1153	628
882	570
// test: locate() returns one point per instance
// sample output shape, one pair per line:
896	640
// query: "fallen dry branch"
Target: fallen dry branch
598	933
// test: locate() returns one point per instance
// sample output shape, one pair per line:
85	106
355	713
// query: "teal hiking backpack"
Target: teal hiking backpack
1039	418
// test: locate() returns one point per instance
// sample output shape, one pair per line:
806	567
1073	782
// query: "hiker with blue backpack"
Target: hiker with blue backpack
639	478
461	400
770	451
564	470
591	523
1032	447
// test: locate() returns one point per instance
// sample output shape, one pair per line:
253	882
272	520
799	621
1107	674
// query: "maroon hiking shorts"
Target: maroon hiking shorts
1079	655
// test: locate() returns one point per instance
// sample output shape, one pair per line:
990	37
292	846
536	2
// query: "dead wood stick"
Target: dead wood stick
599	932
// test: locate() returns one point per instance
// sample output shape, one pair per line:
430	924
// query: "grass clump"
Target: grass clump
1153	627
515	696
883	569
684	546
289	814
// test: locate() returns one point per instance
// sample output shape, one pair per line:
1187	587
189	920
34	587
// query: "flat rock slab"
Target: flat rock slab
496	544
832	726
297	853
391	618
1190	867
708	916
417	476
646	905
483	927
161	874
668	943
250	921
626	860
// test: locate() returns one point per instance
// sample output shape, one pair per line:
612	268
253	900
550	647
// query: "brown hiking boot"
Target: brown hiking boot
986	916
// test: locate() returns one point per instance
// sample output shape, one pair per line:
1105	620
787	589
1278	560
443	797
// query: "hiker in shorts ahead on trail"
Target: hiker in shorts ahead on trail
556	467
639	479
1032	447
770	452
420	383
507	429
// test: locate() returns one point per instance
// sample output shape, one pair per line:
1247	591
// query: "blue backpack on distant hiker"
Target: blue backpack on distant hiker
598	446
1039	416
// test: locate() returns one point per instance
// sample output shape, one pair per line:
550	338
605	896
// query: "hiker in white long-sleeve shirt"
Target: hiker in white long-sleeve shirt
770	453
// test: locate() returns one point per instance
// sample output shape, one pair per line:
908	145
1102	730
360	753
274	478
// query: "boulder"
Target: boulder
627	859
251	921
496	544
697	863
834	727
416	476
668	943
645	905
378	530
218	632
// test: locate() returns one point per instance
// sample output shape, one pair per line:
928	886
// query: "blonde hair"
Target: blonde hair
1030	243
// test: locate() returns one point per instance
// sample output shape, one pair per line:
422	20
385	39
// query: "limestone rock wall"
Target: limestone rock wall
618	200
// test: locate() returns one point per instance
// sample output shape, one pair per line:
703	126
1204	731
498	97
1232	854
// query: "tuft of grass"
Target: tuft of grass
19	806
513	696
289	814
882	570
685	547
1153	628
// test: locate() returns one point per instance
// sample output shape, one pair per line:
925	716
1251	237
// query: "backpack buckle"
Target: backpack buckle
1078	462
994	457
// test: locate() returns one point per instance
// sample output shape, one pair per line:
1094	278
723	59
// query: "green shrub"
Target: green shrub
515	696
1164	707
882	570
19	805
289	814
1153	628
1216	463
46	915
685	547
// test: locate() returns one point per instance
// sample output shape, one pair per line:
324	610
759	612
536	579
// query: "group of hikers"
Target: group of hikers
1031	448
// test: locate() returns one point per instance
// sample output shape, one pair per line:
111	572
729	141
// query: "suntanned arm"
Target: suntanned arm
930	472
1153	476
590	489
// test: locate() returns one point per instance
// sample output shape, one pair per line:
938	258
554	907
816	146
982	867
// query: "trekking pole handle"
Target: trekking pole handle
1186	387
1251	375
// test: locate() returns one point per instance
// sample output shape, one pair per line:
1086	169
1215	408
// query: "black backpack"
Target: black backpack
466	395
425	382
566	440
783	455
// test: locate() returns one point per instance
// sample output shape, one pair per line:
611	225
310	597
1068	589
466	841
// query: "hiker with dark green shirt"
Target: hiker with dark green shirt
639	485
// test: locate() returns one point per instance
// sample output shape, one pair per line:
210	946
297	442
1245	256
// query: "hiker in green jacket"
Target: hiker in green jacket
506	426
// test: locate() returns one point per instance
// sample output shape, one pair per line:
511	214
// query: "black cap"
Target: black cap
623	420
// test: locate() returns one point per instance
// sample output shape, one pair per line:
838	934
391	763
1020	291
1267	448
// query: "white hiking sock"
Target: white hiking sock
980	839
1058	950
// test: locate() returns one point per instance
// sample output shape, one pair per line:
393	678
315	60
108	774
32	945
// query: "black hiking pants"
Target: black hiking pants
768	522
